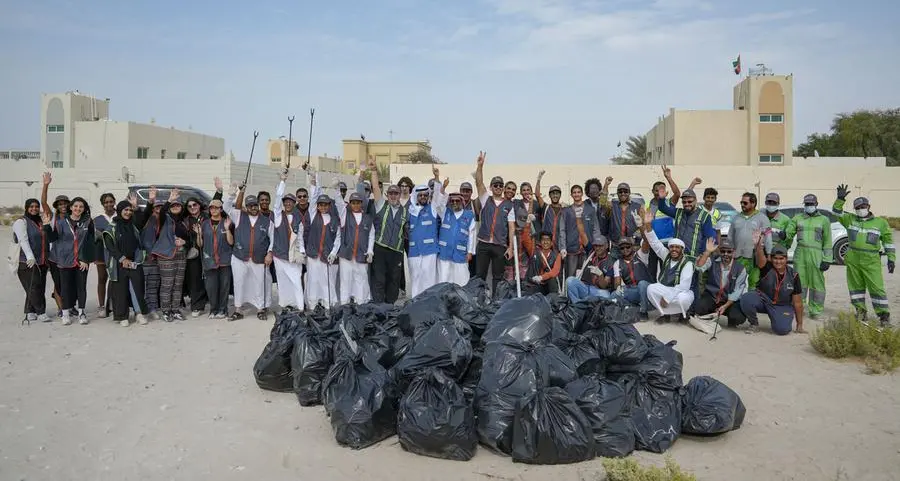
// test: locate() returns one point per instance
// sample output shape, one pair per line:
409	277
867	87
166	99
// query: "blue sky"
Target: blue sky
550	81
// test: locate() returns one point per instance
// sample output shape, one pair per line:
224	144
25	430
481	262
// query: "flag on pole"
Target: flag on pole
619	144
737	65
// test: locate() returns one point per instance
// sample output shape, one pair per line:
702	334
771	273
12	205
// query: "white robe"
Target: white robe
290	285
250	280
449	271
679	297
321	283
353	275
423	269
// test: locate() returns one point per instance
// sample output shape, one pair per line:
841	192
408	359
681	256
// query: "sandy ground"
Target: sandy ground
178	401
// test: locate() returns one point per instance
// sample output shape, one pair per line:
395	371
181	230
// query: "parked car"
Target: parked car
839	240
162	192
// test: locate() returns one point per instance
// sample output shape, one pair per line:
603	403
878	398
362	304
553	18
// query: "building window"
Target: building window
213	157
771	159
351	165
162	153
56	164
403	158
198	156
143	152
181	155
276	160
771	118
56	128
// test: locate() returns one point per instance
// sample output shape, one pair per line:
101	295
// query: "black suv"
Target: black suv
162	192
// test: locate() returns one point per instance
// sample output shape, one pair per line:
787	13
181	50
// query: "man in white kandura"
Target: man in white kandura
671	295
251	257
456	242
356	251
423	235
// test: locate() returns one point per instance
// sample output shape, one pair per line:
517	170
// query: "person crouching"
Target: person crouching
671	295
725	284
321	253
356	251
544	267
456	242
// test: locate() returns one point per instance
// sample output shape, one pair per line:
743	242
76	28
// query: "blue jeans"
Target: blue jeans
781	317
577	290
637	295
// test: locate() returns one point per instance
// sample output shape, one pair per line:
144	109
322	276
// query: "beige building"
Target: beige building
357	152
756	131
278	149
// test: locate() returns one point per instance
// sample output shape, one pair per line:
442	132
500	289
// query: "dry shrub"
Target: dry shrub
894	222
847	337
627	469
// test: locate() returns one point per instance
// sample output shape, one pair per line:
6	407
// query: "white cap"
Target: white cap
676	242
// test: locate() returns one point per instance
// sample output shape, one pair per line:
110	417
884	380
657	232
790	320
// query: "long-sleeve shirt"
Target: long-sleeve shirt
740	284
343	210
554	269
21	231
235	215
687	272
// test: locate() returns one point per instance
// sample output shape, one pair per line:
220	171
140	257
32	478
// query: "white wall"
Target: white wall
847	162
156	138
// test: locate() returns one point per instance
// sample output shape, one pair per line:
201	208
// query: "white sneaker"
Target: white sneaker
66	320
141	319
124	323
102	314
195	313
30	317
82	319
44	318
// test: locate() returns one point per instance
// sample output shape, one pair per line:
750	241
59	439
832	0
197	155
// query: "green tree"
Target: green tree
635	151
863	133
384	173
423	156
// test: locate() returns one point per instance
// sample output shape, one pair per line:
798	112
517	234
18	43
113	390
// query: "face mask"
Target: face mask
862	212
771	209
810	209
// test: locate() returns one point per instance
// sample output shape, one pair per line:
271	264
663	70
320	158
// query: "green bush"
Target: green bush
847	337
627	469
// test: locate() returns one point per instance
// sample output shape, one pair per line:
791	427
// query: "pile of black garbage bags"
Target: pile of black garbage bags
537	378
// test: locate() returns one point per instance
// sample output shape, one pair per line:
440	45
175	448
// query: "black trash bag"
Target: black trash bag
504	291
509	372
660	367
620	344
523	320
477	291
442	347
710	407
618	313
603	403
361	400
470	379
378	314
549	428
592	313
582	350
272	369
421	312
653	414
399	342
435	419
377	345
311	359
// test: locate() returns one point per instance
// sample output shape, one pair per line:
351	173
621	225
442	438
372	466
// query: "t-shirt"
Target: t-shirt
768	267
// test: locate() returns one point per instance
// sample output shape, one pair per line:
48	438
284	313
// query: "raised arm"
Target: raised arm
438	199
479	174
650	236
278	207
537	189
229	208
46	178
219	188
759	249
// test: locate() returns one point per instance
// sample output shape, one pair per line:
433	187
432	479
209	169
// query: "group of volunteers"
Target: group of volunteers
376	241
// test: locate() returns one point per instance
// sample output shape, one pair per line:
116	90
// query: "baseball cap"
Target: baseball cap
626	240
323	199
216	203
356	196
251	200
600	239
773	197
289	197
342	185
496	180
779	251
688	193
156	203
393	189
859	201
555	188
810	199
623	186
726	244
465	185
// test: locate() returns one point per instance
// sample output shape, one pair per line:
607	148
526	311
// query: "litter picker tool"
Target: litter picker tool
250	162
290	142
516	262
312	114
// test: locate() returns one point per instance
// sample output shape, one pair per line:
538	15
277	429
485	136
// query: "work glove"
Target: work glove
531	217
563	253
536	279
331	258
823	266
369	258
595	270
843	192
890	267
30	262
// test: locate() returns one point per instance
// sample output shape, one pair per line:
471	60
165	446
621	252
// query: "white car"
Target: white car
839	240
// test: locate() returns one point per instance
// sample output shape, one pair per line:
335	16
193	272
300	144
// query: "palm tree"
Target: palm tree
635	151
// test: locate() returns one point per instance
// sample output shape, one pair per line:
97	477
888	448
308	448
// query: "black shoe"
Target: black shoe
663	319
263	314
167	316
235	316
885	319
644	316
177	315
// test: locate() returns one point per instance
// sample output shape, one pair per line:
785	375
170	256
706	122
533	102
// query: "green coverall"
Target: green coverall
863	261
813	247
781	235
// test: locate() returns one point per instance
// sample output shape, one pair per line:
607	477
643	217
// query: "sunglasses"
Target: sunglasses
497	186
214	207
393	193
193	205
466	191
726	251
302	196
623	191
744	202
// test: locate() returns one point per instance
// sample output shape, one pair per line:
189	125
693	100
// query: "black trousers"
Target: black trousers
387	266
493	256
126	290
73	282
653	264
54	274
218	284
194	285
34	281
707	304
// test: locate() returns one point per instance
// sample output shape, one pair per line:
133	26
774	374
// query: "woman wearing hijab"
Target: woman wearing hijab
170	250
193	271
101	223
73	252
33	262
122	241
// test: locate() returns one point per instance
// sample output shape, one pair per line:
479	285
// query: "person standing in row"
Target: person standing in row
150	223
101	223
578	227
59	210
423	235
33	260
618	220
356	251
782	233
73	251
744	224
122	242
391	230
498	227
193	269
170	251
287	226
866	233
814	253
456	242
251	257
321	255
216	241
